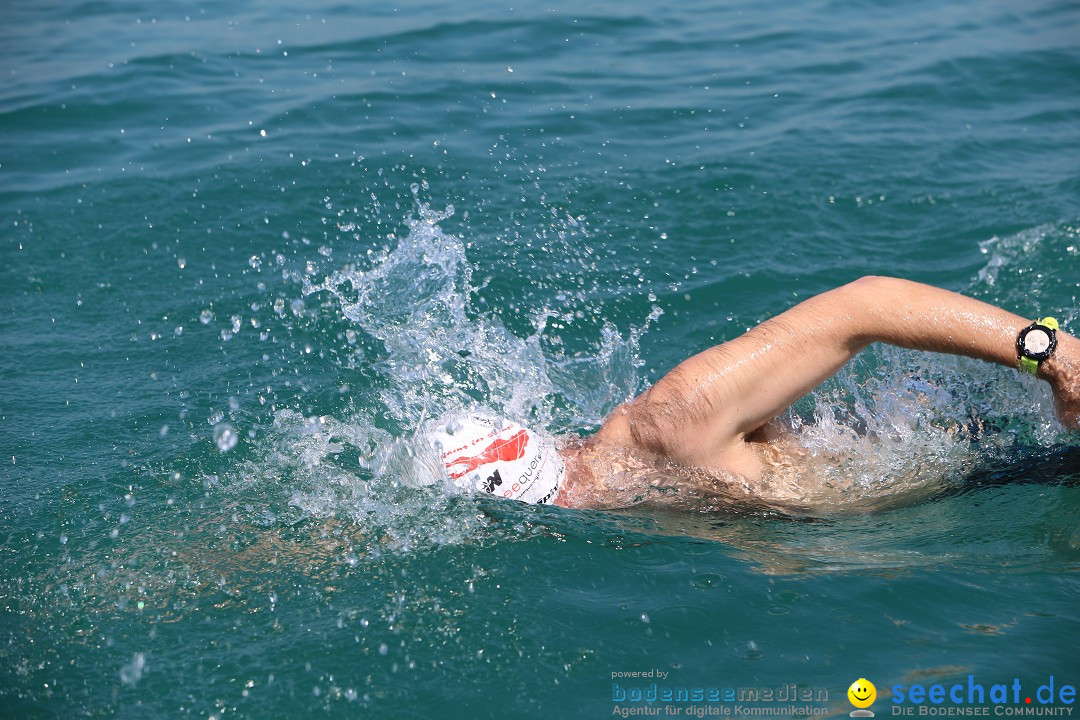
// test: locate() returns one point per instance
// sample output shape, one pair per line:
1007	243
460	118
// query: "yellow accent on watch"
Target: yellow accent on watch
1028	365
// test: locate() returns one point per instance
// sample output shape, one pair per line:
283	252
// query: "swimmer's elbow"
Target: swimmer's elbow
873	284
866	306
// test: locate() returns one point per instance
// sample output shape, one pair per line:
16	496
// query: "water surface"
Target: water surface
247	250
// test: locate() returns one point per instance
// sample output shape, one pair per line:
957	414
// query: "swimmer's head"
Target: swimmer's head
498	457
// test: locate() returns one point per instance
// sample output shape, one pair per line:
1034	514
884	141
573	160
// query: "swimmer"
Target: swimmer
707	428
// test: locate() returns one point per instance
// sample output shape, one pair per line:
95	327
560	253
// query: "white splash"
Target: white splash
437	353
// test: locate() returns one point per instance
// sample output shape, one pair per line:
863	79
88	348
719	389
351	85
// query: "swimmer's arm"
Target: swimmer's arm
721	396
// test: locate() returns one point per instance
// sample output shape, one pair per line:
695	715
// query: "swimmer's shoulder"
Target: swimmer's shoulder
743	457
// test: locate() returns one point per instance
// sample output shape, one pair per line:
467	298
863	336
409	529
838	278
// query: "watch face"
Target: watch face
1037	341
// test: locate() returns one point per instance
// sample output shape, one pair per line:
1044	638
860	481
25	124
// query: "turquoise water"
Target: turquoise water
247	250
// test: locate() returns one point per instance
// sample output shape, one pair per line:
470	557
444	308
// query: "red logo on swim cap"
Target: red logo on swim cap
507	450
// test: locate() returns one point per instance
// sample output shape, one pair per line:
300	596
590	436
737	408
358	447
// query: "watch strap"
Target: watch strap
1029	366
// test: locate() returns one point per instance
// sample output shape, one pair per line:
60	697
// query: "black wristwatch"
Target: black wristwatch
1036	343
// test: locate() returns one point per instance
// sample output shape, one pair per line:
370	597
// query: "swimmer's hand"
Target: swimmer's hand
1062	371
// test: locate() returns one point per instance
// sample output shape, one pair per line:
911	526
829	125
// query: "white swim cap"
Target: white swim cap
500	458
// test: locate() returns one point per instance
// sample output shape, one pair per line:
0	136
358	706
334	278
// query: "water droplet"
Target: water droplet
182	262
206	317
707	580
225	437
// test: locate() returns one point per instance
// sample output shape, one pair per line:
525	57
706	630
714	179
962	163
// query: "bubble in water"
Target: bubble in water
225	437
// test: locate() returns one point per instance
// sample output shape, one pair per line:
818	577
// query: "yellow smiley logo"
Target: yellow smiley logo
862	693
